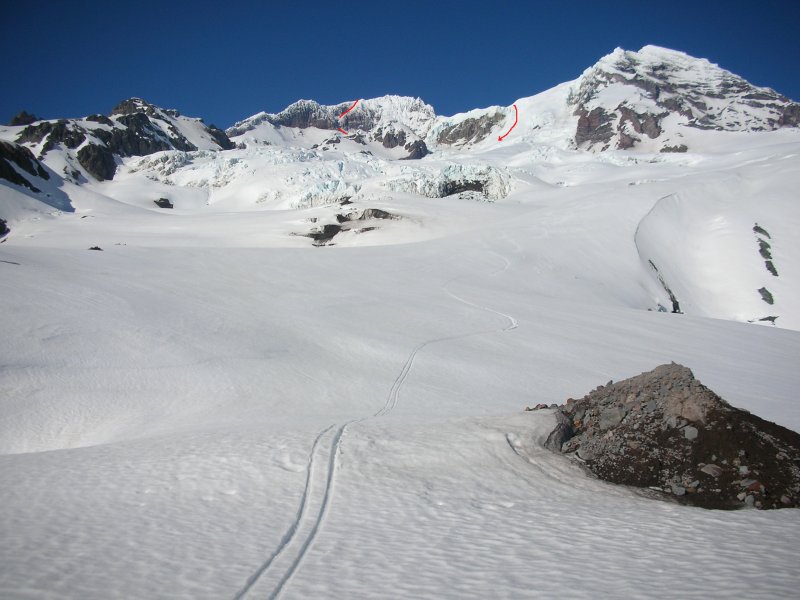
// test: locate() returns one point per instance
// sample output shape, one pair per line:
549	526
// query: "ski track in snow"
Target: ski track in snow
265	572
272	577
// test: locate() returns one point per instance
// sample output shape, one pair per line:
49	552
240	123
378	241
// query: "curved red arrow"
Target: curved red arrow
516	118
344	113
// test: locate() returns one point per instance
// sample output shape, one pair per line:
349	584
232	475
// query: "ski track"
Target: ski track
287	558
263	572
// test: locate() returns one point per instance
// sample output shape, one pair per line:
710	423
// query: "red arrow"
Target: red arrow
516	118
349	109
344	113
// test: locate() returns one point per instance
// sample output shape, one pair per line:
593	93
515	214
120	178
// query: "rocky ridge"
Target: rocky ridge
666	432
134	128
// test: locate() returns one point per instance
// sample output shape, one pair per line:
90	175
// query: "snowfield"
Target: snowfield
213	407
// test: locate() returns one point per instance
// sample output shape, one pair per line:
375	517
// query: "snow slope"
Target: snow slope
213	407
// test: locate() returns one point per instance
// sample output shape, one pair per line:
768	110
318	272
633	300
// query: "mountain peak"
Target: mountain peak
628	96
138	105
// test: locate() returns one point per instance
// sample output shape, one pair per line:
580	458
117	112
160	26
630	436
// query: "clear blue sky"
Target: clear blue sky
226	60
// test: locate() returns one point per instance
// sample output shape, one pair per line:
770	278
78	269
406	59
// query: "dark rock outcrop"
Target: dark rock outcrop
100	119
594	127
221	138
3	228
416	150
365	215
163	203
322	236
23	117
325	234
135	128
98	161
457	186
469	130
391	139
14	154
60	132
665	431
306	113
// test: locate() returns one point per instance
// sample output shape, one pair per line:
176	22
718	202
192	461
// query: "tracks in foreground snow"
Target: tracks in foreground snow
272	577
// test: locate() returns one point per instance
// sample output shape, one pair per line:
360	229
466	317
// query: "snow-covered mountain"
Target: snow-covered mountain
653	97
286	361
628	110
653	100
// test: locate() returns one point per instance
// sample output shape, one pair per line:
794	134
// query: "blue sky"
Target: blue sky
226	60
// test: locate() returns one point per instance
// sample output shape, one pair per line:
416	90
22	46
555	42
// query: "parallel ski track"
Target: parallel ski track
267	580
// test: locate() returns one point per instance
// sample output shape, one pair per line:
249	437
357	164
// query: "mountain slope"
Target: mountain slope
649	99
90	147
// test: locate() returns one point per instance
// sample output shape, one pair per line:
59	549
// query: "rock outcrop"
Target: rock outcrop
15	155
134	128
627	96
665	431
23	117
470	130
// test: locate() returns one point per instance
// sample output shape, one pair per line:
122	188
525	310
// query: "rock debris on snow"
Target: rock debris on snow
664	430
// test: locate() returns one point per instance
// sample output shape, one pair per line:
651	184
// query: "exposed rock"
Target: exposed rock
653	83
324	235
393	139
163	203
23	118
376	213
96	248
98	161
137	129
766	295
3	228
307	113
664	430
14	154
469	130
368	213
100	119
712	470
561	434
678	148
690	433
416	150
60	132
593	127
676	306
456	187
757	229
221	138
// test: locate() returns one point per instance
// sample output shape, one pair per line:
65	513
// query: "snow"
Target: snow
211	407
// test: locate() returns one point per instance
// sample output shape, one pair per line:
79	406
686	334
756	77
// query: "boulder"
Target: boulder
664	430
